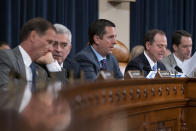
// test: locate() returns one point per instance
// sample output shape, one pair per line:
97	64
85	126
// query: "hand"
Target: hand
46	59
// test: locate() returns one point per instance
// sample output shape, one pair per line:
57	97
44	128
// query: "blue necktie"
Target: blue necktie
103	64
154	68
32	66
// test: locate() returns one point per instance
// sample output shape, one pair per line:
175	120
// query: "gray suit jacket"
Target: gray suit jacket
12	61
90	65
170	63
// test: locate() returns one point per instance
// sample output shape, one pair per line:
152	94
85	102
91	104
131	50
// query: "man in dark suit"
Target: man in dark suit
155	47
98	54
61	49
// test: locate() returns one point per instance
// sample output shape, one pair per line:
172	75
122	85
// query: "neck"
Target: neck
98	50
151	56
178	56
25	46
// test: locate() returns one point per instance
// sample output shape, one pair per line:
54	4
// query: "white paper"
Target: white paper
189	66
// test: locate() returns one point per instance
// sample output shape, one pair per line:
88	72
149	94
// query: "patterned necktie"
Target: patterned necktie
32	66
154	68
103	64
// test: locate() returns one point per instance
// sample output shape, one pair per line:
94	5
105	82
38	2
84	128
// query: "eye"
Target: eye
50	41
55	43
63	45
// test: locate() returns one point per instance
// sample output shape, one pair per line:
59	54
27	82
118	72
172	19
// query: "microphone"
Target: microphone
178	69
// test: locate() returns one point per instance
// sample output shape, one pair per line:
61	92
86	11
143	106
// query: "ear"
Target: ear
33	35
174	47
69	49
96	39
147	44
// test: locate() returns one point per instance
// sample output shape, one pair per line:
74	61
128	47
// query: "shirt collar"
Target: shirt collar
99	57
61	65
178	61
26	58
149	60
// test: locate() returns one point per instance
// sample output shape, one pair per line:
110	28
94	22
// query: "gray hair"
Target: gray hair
61	29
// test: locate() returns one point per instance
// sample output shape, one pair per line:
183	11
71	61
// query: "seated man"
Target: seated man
37	37
155	46
4	45
98	54
61	50
182	46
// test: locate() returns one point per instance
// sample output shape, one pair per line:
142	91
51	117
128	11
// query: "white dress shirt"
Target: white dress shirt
27	62
152	63
27	93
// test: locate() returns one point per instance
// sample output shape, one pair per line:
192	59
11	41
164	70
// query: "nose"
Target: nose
57	48
114	41
189	49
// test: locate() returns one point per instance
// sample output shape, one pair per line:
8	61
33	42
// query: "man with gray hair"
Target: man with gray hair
61	49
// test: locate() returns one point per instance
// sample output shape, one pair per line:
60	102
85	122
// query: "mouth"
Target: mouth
111	48
57	56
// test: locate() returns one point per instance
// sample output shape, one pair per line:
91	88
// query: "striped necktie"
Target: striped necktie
103	64
32	66
154	68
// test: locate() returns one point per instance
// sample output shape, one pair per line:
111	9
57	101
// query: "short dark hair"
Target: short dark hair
98	28
149	36
176	36
4	43
37	24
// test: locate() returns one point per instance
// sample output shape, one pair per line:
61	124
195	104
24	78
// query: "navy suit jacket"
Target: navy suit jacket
70	64
90	65
141	63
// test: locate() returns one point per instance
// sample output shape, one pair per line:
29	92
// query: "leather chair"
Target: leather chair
122	54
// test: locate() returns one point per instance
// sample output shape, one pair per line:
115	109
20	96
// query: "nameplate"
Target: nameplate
105	75
162	74
133	74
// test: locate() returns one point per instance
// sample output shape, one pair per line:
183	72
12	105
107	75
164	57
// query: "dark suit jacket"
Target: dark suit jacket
141	63
90	65
71	65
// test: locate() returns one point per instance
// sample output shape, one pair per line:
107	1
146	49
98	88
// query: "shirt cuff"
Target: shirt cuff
54	67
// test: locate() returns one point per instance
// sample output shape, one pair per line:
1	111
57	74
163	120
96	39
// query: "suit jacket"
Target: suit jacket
141	63
12	61
90	65
71	65
170	63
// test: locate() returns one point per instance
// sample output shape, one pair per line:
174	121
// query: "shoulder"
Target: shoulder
69	62
161	65
168	59
6	55
84	53
111	57
139	59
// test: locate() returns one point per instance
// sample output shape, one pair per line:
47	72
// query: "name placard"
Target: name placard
133	74
105	75
162	74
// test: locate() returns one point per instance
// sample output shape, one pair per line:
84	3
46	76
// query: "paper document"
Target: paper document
189	66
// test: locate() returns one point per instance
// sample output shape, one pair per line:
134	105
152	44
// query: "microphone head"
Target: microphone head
178	69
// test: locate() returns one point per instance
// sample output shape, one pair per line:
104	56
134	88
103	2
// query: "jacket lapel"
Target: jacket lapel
20	63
